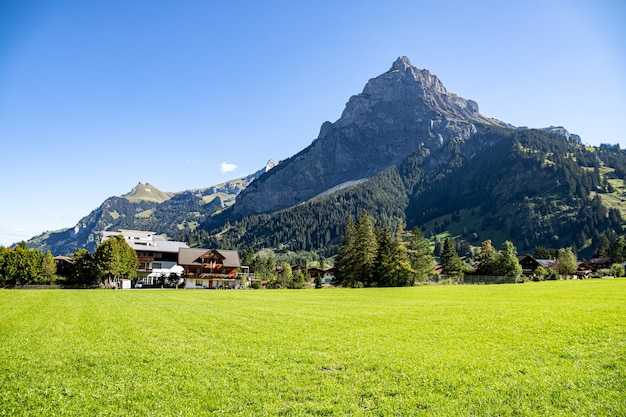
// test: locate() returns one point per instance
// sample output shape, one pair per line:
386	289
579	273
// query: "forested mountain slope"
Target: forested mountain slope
527	186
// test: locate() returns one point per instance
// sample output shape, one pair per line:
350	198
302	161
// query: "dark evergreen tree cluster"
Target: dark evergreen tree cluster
371	255
618	249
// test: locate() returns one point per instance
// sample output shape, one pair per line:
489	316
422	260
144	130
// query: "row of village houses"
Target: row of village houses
218	268
199	267
584	269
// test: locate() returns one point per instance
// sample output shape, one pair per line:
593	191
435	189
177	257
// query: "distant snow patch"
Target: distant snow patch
339	187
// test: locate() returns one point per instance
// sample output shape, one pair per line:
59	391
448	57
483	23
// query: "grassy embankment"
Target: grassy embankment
537	349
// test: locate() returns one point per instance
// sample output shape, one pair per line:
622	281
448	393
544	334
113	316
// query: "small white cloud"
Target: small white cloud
226	167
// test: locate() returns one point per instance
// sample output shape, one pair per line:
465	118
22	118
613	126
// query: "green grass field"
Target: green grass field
536	349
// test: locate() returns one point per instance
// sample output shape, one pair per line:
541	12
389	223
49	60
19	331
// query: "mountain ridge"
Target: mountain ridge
148	208
405	148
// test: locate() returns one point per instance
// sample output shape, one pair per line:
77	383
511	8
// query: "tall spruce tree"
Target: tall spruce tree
420	256
382	271
451	264
602	251
401	268
618	249
364	248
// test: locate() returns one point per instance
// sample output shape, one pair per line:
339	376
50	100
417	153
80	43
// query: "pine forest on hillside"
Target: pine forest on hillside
527	186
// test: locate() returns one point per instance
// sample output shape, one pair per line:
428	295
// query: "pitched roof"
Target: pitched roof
546	263
596	261
231	257
192	256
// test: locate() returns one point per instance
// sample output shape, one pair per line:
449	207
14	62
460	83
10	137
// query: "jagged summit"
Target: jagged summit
401	64
413	90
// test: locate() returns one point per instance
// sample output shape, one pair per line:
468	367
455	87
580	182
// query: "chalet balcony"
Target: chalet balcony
209	275
212	265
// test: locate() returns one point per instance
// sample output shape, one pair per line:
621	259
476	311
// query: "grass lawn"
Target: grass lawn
536	349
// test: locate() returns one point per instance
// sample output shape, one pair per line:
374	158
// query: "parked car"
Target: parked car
139	284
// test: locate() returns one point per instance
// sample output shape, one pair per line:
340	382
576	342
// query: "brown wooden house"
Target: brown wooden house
209	268
601	263
528	263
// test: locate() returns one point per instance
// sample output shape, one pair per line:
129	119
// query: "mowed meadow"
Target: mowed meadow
553	348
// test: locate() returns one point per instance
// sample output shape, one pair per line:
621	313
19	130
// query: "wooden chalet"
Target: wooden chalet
528	263
601	263
327	275
584	270
64	265
209	268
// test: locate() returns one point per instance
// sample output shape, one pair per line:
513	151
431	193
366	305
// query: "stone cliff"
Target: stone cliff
398	112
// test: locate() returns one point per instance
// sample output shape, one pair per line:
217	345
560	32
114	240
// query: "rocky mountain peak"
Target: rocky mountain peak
401	64
413	89
146	192
398	112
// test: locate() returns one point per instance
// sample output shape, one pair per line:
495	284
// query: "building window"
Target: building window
198	283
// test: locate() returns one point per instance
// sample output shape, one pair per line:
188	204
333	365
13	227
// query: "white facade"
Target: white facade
212	283
157	256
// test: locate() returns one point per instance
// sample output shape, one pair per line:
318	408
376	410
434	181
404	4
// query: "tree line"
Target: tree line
112	261
373	256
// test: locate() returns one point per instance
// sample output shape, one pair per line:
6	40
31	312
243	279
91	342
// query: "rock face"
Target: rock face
398	112
560	130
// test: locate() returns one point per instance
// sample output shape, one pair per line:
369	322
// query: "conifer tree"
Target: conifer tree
420	256
450	262
618	249
401	270
382	275
602	251
364	248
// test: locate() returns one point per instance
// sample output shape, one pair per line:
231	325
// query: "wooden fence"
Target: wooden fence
475	279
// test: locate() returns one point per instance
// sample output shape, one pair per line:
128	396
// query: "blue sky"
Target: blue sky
98	96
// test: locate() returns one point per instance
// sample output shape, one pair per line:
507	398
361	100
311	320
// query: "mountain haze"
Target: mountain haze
146	207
